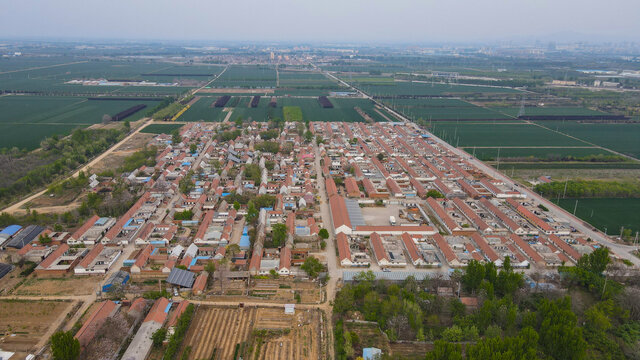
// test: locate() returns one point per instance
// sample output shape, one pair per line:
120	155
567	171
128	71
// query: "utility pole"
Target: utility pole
498	159
566	181
575	208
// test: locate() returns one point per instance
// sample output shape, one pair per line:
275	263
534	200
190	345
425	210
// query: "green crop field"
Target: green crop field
343	110
299	79
442	109
540	153
26	120
161	128
28	136
247	76
52	80
611	214
493	134
201	110
292	113
435	89
624	137
547	110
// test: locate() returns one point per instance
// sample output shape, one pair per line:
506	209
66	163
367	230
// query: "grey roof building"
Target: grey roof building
182	278
25	236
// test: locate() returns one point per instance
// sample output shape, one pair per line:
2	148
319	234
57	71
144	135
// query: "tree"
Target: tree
176	138
64	346
158	337
193	148
443	350
127	126
252	212
308	136
278	234
380	156
323	233
596	262
210	267
106	118
312	266
473	275
236	205
435	194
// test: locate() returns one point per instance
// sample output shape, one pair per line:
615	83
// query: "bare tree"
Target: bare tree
106	118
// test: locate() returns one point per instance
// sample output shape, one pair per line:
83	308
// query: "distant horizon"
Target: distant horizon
331	21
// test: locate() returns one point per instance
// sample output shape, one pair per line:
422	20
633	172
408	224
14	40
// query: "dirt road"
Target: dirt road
17	206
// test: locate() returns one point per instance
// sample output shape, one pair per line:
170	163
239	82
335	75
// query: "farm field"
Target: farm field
52	80
23	323
26	120
59	286
547	110
247	76
202	110
161	128
500	134
420	88
443	109
621	137
300	79
491	153
611	214
343	110
216	332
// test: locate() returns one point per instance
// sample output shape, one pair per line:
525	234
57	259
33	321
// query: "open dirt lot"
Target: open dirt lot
59	286
23	323
215	331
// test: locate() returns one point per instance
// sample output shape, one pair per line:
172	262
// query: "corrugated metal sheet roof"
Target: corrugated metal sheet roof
181	277
5	269
355	213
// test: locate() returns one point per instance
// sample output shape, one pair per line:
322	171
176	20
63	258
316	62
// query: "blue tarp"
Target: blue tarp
245	243
225	194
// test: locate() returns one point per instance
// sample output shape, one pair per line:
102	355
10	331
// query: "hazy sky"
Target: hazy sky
322	20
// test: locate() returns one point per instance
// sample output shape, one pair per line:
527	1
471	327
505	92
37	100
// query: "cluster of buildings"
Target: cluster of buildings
193	210
398	199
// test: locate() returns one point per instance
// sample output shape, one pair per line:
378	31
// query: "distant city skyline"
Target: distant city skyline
460	21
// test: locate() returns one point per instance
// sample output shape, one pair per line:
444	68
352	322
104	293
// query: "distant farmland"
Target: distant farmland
26	120
443	109
621	137
434	89
247	76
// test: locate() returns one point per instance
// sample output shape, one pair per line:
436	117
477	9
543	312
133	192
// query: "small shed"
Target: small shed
118	278
289	309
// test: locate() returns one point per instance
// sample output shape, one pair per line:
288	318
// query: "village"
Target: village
253	227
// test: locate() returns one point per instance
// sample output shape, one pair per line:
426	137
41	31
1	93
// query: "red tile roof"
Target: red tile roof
54	256
90	327
485	247
441	213
343	247
86	226
468	212
502	216
339	213
445	248
175	315
411	247
352	187
331	187
285	258
157	313
393	187
86	261
524	246
566	248
378	248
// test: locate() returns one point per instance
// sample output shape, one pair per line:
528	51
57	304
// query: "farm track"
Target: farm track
17	206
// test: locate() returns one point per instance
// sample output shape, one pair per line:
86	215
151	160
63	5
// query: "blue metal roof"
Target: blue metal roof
11	229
